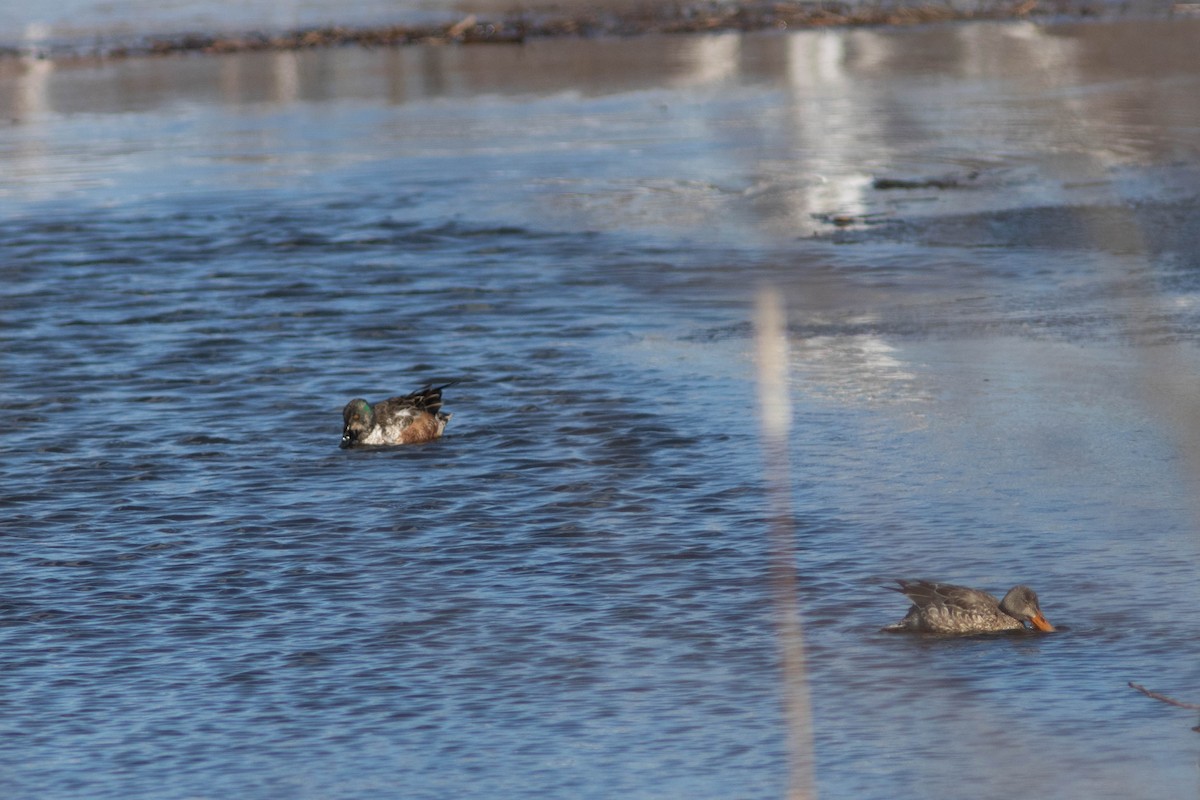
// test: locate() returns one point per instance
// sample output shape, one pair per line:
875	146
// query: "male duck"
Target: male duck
945	608
416	417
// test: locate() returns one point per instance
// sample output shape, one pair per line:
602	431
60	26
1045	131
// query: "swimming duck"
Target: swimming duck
413	418
945	608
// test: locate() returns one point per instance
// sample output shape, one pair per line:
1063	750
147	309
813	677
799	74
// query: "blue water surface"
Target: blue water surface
991	371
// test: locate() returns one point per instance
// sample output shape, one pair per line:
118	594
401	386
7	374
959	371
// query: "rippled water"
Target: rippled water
992	376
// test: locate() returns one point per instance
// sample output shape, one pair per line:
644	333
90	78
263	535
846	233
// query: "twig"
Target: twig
1164	698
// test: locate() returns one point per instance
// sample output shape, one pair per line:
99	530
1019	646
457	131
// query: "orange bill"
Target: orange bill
1040	623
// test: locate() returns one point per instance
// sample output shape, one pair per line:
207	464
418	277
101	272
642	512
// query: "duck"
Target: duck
949	609
410	419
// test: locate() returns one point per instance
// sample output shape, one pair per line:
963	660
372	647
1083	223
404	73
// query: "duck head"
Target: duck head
1021	602
358	418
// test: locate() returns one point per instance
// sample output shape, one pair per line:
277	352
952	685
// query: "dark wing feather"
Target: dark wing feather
428	399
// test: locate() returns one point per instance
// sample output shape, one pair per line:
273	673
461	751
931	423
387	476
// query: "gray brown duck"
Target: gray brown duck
946	608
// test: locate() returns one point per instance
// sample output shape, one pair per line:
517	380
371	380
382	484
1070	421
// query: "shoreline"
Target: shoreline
517	28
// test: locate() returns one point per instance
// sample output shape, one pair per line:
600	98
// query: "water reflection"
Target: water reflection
860	370
1023	56
714	59
830	132
31	96
783	133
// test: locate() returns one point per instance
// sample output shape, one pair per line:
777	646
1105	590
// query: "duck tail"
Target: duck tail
429	398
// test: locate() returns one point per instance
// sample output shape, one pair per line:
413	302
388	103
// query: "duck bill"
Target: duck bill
1041	624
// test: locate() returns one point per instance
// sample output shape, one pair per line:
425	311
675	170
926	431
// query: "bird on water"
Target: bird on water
946	608
413	418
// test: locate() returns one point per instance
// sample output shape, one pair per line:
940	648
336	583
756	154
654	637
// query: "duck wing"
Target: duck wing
930	594
427	399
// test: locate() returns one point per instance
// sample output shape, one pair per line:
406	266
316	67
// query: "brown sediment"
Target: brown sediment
520	27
